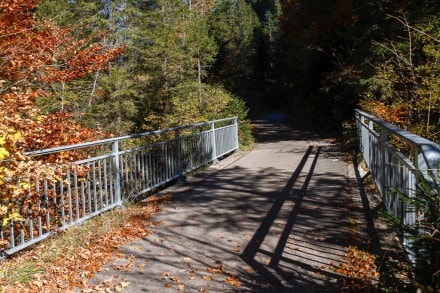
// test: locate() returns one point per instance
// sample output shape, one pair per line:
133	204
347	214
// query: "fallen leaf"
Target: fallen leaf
233	281
175	279
216	270
124	284
207	278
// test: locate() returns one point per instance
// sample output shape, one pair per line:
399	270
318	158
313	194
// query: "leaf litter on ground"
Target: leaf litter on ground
67	261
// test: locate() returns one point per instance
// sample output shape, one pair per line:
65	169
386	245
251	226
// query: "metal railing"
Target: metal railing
395	158
110	172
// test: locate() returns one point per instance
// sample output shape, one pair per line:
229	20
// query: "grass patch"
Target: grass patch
23	273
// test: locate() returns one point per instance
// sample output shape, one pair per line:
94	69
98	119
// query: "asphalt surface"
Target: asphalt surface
269	220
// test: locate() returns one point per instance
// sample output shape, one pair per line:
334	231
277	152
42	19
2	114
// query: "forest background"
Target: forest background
176	62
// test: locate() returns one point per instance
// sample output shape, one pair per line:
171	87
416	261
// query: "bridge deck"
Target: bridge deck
272	220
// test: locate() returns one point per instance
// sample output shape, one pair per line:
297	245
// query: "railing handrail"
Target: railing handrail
403	134
120	138
429	149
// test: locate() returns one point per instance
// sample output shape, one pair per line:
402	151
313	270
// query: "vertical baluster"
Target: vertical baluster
63	216
89	190
20	209
141	169
123	175
178	154
69	195
11	223
111	181
138	171
132	164
75	184
164	163
154	164
100	187
190	140
171	150
22	234
12	239
55	202
29	210
159	163
83	199
162	169
95	191
47	204
122	171
133	182
169	159
143	166
106	191
150	168
38	195
127	175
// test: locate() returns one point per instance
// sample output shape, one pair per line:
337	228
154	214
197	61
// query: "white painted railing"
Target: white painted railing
111	171
396	158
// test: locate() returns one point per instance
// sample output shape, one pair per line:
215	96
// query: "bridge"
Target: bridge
280	218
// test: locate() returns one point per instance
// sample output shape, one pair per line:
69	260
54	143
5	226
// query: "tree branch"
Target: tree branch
413	28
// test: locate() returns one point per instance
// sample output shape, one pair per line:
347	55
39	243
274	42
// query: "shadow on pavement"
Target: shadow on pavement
273	221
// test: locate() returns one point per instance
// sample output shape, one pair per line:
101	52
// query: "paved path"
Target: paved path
271	220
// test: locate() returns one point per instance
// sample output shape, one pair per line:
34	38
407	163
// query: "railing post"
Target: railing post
370	148
213	143
236	132
182	178
117	170
383	141
360	121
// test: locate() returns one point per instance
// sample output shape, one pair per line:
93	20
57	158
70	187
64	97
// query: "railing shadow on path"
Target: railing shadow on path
255	220
253	246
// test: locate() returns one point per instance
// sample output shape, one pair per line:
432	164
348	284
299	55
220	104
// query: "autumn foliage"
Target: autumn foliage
33	55
39	51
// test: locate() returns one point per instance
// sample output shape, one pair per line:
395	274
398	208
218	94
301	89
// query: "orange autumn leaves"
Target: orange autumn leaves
57	270
33	55
34	50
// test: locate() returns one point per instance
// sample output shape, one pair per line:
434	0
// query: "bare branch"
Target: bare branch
392	50
413	28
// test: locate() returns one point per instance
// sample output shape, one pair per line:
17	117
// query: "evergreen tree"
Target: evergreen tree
236	28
